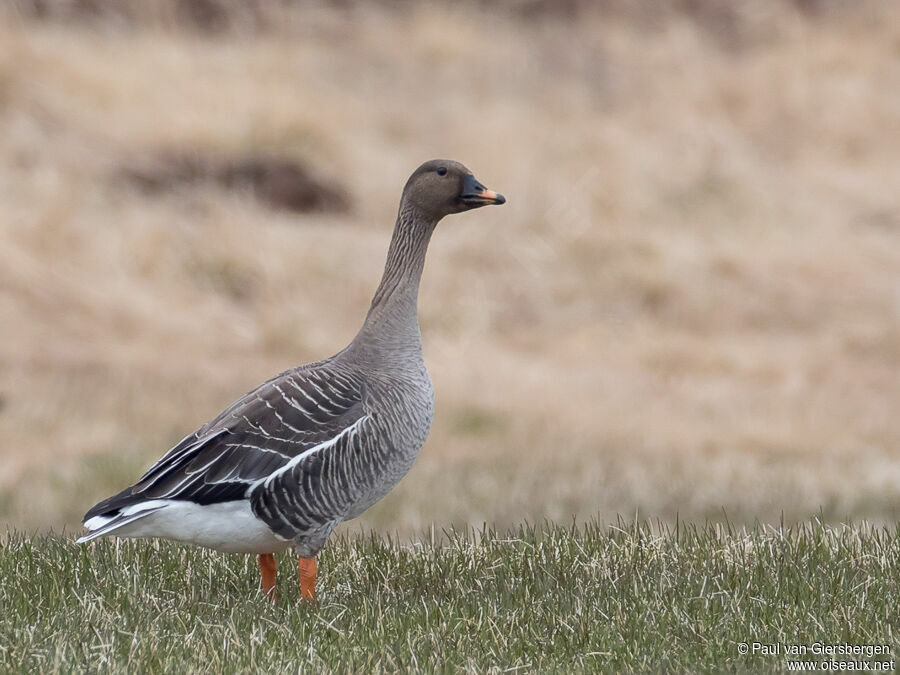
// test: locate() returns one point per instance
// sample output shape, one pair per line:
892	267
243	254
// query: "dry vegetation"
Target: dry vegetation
690	303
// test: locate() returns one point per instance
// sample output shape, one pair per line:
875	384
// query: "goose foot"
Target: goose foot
267	567
308	569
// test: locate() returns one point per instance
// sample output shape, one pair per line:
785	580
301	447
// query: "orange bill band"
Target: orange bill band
491	197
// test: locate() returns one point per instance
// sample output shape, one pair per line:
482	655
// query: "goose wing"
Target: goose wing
259	434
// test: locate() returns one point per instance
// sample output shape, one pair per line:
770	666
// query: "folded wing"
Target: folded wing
253	439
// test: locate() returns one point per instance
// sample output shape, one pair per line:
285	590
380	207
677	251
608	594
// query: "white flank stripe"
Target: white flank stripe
316	448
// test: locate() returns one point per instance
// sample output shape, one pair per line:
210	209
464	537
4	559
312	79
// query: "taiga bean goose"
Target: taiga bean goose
316	445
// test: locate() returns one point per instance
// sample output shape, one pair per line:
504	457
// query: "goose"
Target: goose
319	444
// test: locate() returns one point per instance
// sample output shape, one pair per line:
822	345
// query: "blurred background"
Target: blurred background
689	306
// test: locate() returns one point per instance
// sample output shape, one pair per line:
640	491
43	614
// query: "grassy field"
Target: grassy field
547	598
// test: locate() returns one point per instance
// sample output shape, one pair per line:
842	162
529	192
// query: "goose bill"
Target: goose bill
476	194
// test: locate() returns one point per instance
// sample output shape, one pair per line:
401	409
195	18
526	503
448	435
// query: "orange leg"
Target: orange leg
267	567
307	568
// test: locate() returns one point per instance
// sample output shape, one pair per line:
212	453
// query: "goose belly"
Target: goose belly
394	445
230	527
384	476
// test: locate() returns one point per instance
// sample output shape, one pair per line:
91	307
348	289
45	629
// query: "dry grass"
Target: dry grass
690	303
549	599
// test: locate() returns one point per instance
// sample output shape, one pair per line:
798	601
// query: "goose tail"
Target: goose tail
108	523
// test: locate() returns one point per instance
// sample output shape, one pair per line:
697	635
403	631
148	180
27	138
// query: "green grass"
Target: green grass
547	598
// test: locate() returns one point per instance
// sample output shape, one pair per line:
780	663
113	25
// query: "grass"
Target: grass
546	598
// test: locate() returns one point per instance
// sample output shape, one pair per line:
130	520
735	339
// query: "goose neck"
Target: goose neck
393	315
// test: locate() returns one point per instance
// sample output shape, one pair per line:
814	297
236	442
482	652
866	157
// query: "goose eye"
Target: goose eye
442	171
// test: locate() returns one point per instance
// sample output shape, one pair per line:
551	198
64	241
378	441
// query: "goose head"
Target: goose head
441	187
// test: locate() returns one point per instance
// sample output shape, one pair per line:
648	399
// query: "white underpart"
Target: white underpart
227	526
